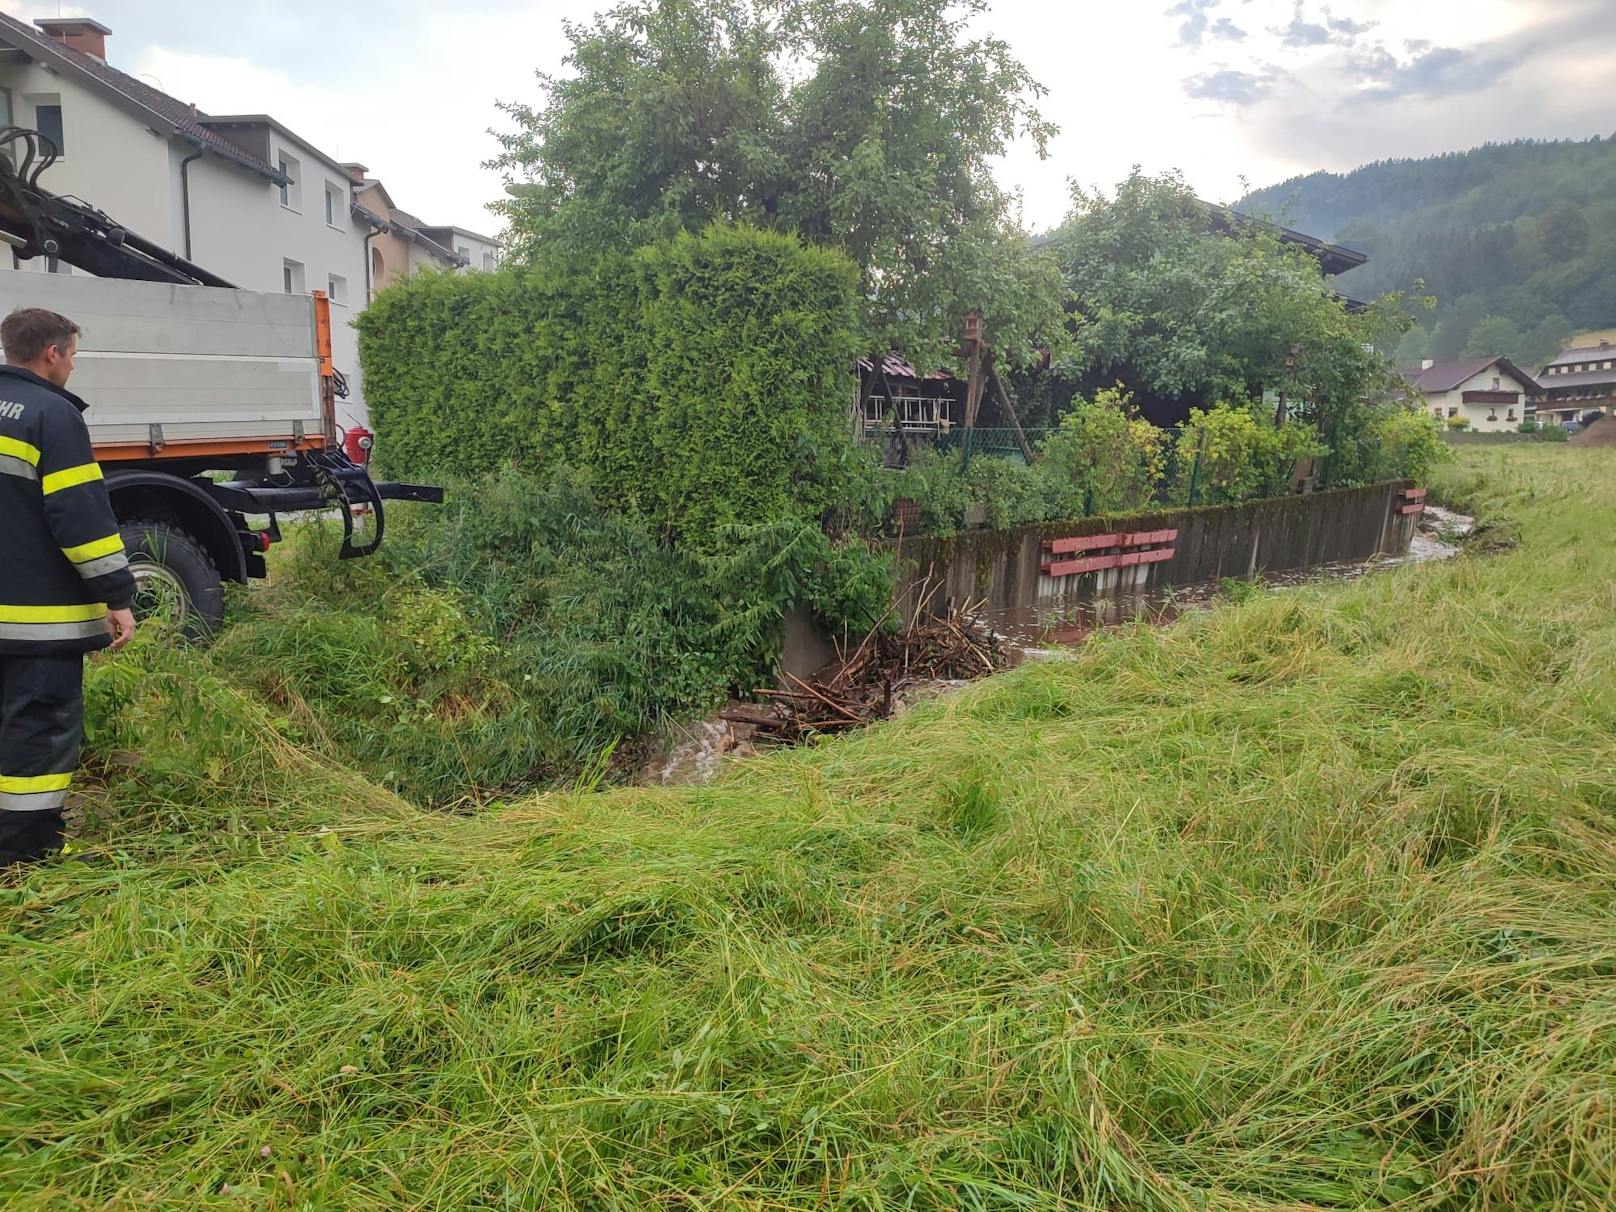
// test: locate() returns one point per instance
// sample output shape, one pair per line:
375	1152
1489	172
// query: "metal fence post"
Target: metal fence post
1195	471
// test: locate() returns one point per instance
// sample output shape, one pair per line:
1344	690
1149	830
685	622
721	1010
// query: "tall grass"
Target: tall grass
1308	902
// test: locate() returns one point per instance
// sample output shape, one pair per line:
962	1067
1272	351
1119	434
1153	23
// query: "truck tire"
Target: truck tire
175	579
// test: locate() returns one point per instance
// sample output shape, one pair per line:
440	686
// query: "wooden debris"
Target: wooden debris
865	686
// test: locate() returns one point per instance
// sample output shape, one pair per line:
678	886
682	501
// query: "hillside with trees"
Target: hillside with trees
1516	241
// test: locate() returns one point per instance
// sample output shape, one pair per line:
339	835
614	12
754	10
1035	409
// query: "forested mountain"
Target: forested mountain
1517	241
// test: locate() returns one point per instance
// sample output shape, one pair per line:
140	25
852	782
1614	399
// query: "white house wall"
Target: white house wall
474	250
1478	414
240	231
112	160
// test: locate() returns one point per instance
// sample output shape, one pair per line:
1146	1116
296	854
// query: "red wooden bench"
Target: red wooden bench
1121	550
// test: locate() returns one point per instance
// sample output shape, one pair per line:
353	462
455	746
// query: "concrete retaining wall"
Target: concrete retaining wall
1003	569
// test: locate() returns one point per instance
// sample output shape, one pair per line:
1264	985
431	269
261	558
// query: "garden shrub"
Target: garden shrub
1408	444
697	383
1233	452
1101	460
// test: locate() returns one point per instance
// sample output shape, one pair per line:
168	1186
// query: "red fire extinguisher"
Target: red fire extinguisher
356	444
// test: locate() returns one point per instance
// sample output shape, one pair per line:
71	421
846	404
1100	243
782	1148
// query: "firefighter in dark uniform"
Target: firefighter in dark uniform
65	584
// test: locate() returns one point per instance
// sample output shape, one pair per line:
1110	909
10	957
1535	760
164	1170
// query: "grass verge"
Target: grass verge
1307	902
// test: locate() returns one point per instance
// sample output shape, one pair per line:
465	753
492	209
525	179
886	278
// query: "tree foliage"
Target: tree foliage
1517	241
1187	314
866	125
1231	453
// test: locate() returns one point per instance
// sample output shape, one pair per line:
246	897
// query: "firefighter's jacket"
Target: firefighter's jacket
62	561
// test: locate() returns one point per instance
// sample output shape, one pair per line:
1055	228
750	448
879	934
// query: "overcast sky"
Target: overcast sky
1224	90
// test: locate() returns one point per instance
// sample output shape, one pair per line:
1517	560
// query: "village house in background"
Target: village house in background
242	196
1493	394
473	251
1580	384
398	246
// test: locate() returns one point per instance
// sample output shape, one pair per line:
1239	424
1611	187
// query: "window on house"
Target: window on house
291	192
48	120
1437	413
1453	412
337	288
1498	383
488	263
1510	416
333	204
292	277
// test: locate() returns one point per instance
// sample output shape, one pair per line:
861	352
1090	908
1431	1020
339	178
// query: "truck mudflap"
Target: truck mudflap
321	481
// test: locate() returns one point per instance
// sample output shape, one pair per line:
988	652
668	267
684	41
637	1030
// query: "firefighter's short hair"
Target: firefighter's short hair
29	331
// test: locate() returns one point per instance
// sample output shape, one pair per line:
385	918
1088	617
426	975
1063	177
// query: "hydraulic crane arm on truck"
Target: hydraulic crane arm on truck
188	376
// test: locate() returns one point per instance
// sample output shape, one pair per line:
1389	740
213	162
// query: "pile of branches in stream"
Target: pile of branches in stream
866	686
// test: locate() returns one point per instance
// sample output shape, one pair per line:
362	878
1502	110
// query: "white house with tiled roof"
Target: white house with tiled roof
1581	381
246	199
241	195
1493	394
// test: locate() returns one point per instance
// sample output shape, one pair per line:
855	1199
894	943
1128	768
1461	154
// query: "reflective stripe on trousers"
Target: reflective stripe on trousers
41	726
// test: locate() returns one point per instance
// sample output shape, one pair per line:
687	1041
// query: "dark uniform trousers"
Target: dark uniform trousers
63	568
41	727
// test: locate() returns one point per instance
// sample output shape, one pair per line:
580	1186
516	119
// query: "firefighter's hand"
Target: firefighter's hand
121	627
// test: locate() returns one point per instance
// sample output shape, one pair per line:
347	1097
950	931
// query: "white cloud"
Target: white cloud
415	109
410	89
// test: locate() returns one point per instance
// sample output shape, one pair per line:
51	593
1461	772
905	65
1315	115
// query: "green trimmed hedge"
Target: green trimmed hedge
698	383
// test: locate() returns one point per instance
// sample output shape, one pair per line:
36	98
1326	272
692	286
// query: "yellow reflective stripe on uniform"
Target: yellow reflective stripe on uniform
70	477
13	784
82	613
19	450
94	551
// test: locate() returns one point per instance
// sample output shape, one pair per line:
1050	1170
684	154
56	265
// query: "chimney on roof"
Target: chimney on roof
1427	364
77	33
355	170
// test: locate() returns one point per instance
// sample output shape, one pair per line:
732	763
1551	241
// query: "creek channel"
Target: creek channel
696	752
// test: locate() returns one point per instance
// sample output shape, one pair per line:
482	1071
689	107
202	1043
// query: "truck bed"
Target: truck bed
185	371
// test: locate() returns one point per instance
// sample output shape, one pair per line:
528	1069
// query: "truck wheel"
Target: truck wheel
175	580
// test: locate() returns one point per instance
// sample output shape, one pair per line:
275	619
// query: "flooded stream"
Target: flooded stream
1060	621
696	752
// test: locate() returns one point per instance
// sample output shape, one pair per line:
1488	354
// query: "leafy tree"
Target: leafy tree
1565	231
1409	444
868	125
1102	459
1185	311
1233	452
1496	335
1458	322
